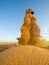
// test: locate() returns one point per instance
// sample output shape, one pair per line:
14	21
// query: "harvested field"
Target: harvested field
24	55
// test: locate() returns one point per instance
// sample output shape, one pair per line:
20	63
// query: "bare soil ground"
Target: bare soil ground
24	55
5	47
2	48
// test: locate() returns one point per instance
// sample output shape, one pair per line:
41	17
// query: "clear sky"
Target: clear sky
12	14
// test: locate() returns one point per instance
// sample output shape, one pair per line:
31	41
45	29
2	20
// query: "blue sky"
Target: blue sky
12	14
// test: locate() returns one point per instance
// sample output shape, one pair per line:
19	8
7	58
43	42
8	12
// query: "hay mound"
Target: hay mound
24	55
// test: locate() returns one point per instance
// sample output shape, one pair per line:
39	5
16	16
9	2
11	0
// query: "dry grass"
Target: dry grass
24	55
